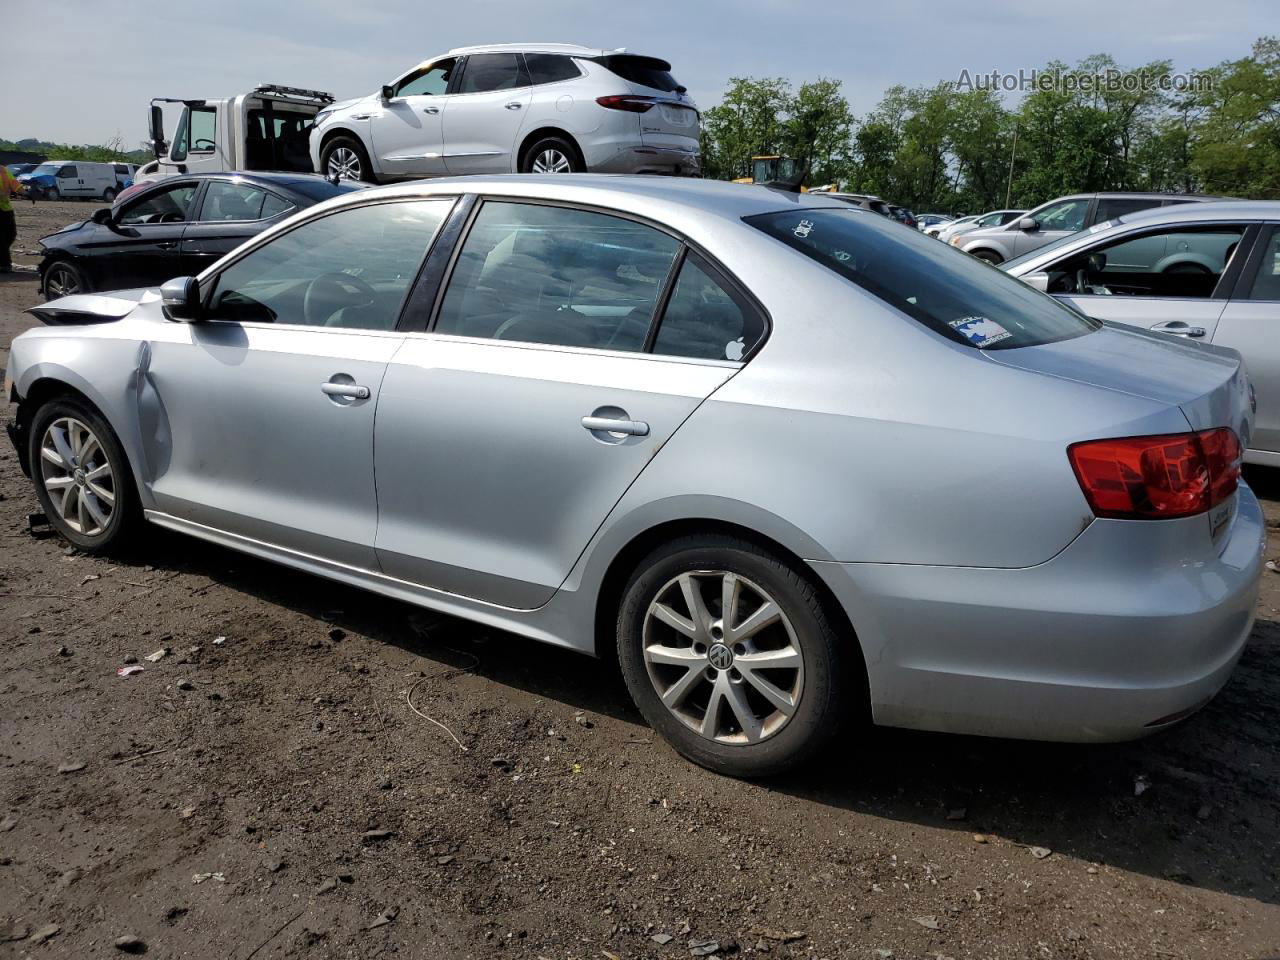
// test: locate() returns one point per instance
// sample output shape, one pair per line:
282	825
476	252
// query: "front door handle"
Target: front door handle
432	110
1180	329
514	106
635	428
167	244
351	391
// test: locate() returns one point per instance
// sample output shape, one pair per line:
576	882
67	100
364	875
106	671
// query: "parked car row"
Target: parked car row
593	411
78	179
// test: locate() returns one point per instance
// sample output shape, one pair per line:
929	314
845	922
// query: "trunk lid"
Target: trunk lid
1207	383
673	121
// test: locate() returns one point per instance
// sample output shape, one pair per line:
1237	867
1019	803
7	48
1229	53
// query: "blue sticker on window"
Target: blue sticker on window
980	331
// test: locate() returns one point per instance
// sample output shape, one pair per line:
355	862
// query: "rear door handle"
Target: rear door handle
1180	329
635	428
514	106
353	391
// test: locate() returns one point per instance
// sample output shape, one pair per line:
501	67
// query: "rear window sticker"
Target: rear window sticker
803	229
980	331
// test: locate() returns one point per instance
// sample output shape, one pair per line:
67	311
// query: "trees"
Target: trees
950	147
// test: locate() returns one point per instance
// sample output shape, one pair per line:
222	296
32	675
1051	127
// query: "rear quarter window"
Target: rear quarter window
948	291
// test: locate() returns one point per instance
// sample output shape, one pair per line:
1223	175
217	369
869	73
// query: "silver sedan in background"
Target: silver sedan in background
793	464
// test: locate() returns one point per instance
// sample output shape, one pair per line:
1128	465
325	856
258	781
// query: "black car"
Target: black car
173	228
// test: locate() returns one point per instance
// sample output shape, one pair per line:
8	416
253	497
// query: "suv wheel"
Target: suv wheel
81	476
729	655
346	159
552	155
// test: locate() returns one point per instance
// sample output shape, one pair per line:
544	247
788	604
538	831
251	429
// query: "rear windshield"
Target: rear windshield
948	291
646	71
317	188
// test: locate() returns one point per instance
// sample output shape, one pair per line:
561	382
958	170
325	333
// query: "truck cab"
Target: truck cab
266	129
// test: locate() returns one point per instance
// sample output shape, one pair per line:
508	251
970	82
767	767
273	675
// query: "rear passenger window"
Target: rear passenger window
273	206
1266	285
1111	207
225	201
706	319
492	71
550	68
545	274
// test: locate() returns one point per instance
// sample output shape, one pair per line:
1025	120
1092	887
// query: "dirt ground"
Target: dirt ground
273	793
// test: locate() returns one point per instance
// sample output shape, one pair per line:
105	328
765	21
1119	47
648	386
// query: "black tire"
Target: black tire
365	168
52	193
125	517
109	194
62	278
989	256
831	678
546	148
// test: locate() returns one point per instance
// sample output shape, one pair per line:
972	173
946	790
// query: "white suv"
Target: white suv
514	108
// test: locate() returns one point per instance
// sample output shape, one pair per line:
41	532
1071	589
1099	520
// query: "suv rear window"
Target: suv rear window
646	71
948	291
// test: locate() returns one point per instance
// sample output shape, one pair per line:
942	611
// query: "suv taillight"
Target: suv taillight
1152	478
628	102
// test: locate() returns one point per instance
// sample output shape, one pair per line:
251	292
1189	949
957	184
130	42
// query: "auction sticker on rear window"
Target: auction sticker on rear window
980	331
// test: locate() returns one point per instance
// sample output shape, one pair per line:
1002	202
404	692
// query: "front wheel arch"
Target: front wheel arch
345	133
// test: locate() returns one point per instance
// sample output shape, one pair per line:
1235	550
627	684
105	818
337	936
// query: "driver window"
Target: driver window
1068	215
351	269
1183	262
163	206
68	173
431	82
544	274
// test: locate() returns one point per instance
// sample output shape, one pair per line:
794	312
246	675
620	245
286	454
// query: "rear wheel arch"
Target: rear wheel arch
542	133
625	562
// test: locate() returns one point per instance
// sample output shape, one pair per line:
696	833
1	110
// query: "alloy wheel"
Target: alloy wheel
77	476
60	282
723	657
345	164
552	160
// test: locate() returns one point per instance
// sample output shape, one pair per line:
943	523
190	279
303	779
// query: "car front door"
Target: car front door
507	433
1054	221
1167	279
408	133
486	113
140	247
259	419
230	213
1250	323
70	183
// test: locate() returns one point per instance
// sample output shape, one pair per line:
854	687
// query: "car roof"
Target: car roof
567	49
1208	211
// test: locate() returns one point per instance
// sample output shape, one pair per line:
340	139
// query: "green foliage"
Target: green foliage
109	153
964	150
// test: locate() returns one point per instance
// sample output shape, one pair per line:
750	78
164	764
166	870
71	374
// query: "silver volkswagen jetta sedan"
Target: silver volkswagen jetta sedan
794	463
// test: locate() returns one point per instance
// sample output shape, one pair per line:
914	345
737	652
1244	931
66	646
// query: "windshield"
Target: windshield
47	169
949	292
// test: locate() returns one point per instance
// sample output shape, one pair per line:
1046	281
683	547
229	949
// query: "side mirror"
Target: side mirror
102	216
155	127
180	298
387	92
1039	280
1028	223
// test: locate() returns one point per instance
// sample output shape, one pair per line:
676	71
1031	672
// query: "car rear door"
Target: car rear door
230	213
1250	323
486	113
507	433
262	415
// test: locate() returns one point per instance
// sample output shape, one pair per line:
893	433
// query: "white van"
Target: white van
68	179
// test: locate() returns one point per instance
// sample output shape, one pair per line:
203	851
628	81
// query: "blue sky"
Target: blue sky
70	73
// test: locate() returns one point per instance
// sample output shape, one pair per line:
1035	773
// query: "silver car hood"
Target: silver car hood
1206	382
92	307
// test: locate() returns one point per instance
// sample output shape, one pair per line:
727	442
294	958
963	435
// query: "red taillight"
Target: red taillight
632	104
1146	478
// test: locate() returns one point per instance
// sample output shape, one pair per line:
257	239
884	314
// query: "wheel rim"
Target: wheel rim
344	163
723	657
552	160
77	476
61	282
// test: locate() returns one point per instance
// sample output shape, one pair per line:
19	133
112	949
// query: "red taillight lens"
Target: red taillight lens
1144	478
629	103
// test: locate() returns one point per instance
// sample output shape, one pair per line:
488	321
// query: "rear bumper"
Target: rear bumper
671	161
1120	634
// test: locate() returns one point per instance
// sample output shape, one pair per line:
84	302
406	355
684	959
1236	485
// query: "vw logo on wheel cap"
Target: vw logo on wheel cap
720	656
